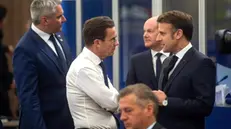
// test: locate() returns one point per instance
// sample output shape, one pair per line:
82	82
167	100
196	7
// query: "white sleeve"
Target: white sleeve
92	84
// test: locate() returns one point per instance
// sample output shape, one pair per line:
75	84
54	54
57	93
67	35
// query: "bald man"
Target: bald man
145	66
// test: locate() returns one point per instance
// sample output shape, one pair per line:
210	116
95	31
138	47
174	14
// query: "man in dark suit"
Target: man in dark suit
41	61
138	107
145	66
187	82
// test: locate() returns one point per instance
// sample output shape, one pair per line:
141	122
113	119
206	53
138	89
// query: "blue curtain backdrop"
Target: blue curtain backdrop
69	27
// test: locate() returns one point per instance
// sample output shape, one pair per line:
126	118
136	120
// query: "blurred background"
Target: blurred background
129	16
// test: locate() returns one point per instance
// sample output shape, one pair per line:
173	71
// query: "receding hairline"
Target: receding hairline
152	20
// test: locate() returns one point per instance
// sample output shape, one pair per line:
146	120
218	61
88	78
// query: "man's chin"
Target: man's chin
128	127
165	49
147	45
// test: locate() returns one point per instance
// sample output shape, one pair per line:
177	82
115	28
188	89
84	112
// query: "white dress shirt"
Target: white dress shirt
88	97
45	36
154	57
180	55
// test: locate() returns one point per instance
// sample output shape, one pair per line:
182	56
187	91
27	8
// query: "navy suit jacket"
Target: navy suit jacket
141	70
190	92
41	84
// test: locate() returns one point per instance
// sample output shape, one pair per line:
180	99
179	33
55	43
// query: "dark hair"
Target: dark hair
143	93
3	12
179	20
95	28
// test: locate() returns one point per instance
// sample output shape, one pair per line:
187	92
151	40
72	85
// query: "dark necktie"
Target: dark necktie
168	69
104	73
158	65
61	59
106	83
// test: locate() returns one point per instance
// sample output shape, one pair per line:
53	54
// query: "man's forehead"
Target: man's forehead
111	32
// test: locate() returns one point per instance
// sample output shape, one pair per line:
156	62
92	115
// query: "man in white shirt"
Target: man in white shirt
138	107
91	96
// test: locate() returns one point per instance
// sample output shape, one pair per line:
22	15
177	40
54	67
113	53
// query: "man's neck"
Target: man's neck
42	28
92	49
149	122
181	45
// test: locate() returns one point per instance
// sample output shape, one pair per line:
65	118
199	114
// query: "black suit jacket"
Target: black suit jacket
190	91
141	70
41	84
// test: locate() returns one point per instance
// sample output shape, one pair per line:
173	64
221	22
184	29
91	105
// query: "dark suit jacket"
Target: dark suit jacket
141	70
190	92
158	126
41	84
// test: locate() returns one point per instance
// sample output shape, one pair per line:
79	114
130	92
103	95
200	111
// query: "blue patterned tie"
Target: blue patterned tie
61	58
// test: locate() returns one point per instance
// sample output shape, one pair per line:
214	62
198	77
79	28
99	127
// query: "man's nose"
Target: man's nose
145	34
64	19
117	43
122	116
158	38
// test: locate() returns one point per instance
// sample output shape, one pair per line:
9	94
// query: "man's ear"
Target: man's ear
179	33
149	109
44	21
97	42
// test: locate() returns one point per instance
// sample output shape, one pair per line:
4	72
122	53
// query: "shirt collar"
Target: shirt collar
152	125
92	56
155	52
182	52
45	36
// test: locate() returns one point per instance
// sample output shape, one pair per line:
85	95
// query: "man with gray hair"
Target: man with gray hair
41	61
138	107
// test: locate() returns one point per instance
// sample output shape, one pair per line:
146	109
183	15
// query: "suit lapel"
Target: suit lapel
150	69
46	50
186	58
65	48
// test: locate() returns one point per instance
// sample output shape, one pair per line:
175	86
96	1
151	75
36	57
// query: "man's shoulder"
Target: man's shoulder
141	55
199	57
82	62
26	40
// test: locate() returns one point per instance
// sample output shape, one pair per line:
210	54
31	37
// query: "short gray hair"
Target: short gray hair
143	95
40	8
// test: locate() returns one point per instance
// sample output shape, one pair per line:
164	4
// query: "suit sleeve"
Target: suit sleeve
131	76
26	78
203	82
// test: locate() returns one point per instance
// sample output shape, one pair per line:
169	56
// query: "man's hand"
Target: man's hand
161	96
